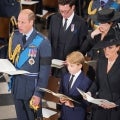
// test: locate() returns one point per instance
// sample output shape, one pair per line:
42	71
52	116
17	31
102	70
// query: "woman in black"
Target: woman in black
107	19
107	83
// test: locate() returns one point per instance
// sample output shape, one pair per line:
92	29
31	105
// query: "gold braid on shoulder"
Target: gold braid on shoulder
90	11
13	55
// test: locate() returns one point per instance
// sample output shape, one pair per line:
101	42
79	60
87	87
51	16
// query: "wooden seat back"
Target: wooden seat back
4	27
50	3
53	84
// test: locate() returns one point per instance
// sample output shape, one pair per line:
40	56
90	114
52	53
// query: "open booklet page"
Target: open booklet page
91	63
59	95
7	67
48	113
57	63
93	100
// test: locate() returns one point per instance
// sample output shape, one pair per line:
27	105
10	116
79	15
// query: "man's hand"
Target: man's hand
35	102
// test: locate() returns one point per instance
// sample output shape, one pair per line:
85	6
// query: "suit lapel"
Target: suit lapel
103	64
66	81
58	27
106	75
114	67
72	30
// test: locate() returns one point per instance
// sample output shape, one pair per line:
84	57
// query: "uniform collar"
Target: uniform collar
29	33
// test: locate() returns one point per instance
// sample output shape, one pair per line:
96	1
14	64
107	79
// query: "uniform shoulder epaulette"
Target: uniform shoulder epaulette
40	34
16	31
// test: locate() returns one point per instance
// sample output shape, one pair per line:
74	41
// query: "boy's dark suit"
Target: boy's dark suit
77	112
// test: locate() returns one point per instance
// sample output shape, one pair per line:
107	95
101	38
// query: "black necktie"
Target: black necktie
70	81
65	24
24	39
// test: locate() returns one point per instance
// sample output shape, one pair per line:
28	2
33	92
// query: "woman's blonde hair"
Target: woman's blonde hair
75	57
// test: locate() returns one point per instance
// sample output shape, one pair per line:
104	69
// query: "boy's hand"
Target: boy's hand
69	103
62	100
66	102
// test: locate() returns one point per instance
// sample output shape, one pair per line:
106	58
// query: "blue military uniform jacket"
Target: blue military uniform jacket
24	86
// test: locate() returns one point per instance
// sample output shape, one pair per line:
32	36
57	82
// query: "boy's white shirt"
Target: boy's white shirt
75	77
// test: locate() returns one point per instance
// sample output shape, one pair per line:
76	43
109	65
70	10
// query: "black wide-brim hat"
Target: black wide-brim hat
109	40
106	15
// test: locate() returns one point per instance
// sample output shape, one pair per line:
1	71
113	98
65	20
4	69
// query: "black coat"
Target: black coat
108	87
89	43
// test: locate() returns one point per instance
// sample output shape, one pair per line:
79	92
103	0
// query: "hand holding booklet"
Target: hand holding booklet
59	95
7	67
93	100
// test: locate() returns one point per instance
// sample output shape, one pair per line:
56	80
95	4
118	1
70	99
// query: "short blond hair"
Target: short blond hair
75	57
30	13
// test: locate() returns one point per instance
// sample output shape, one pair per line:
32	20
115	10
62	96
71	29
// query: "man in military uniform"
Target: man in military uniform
34	56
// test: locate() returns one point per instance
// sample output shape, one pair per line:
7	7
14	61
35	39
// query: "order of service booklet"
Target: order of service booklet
92	63
60	63
47	112
57	63
7	67
59	95
93	100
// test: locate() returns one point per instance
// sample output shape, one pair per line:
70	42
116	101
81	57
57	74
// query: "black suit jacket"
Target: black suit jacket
39	7
75	36
9	8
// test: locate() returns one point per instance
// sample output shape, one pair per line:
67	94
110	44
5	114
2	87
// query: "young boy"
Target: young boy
72	110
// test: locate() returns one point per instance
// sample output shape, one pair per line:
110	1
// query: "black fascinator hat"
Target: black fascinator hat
106	15
109	40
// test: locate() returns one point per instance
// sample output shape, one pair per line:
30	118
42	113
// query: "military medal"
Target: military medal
32	54
31	61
